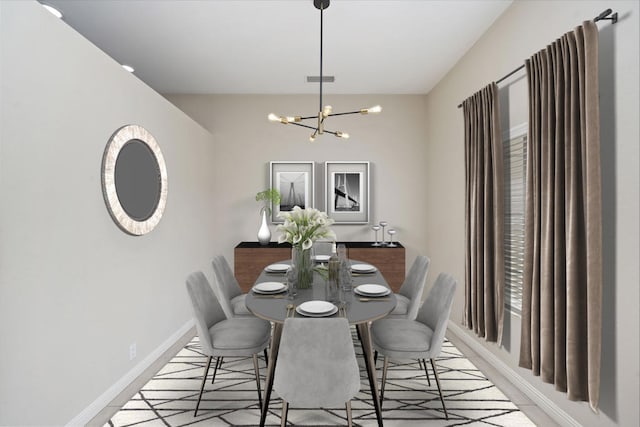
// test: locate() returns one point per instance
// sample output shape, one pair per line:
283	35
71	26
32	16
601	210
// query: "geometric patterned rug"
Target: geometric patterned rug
169	398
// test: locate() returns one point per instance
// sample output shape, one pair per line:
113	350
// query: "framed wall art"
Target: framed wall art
294	181
347	191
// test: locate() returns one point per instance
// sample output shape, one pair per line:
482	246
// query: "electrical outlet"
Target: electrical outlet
132	351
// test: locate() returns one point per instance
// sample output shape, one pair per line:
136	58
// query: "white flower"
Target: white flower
302	227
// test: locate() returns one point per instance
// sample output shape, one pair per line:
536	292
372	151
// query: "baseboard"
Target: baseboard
543	402
112	392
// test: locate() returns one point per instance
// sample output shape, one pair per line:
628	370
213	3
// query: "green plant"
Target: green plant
268	197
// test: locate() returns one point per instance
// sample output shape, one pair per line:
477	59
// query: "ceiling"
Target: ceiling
270	46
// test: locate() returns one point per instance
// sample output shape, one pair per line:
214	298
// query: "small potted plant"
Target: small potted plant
268	197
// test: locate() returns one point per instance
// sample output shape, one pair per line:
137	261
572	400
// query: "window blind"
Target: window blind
514	192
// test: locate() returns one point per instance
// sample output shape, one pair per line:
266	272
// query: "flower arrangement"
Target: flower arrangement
302	227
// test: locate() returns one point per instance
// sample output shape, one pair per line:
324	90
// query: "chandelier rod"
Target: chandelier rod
321	27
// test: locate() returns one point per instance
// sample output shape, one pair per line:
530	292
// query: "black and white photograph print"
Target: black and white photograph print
294	180
293	189
347	191
347	187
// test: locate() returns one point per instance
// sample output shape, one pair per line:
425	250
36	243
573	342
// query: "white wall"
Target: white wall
394	142
525	28
75	291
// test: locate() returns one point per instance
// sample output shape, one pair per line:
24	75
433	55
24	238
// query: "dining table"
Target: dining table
360	311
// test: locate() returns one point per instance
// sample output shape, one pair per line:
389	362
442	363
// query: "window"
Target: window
515	156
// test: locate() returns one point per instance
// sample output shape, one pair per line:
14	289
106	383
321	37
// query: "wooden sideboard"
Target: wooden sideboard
250	258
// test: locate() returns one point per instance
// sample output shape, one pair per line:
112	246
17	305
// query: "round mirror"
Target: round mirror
134	179
137	179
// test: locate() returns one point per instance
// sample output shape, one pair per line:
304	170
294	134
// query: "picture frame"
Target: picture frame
347	191
295	182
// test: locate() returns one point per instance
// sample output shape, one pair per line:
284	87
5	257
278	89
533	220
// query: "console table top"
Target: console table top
288	245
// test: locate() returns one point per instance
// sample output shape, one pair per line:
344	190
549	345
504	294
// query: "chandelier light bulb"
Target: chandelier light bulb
372	110
273	118
343	135
327	110
312	137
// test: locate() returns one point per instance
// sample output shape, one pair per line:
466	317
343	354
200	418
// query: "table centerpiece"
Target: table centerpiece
301	228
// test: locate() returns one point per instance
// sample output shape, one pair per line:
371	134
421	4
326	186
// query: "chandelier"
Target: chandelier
324	110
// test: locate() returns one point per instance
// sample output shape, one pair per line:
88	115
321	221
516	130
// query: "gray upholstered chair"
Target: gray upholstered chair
219	336
228	290
317	365
417	339
410	293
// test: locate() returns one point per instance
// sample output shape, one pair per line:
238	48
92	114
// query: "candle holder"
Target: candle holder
376	228
383	224
391	233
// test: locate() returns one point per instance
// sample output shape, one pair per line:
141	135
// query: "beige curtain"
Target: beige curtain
561	313
484	215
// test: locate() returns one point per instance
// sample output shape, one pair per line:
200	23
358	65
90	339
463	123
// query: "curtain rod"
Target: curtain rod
603	16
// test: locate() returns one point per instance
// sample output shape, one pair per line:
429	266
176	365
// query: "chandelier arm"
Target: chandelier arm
343	114
302	125
309	118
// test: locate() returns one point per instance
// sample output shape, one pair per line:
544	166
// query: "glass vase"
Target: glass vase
301	260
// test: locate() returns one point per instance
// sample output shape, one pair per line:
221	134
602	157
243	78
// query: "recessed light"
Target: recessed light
129	68
55	12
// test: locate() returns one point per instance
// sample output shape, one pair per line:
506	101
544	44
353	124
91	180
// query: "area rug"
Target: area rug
169	398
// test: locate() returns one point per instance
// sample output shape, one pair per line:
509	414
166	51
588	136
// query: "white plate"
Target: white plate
372	290
363	268
321	258
277	268
316	307
331	312
269	287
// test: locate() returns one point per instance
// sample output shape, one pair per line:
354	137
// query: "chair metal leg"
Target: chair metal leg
385	366
285	413
266	356
215	369
349	419
426	372
271	367
204	380
435	374
367	351
375	356
255	366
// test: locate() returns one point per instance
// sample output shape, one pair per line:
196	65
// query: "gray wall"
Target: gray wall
394	142
75	291
525	28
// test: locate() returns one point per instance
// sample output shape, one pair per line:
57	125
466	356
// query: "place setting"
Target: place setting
277	268
362	269
372	292
321	258
270	290
317	308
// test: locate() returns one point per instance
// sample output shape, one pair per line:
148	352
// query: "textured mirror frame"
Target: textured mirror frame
118	140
